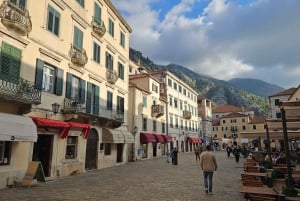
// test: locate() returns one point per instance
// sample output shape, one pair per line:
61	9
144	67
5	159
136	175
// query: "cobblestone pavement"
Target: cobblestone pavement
149	180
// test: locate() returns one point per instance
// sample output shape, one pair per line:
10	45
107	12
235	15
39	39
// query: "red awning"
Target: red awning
147	137
159	138
194	140
167	138
86	128
41	122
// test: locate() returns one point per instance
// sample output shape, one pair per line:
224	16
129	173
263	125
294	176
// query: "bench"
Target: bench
258	197
259	193
252	169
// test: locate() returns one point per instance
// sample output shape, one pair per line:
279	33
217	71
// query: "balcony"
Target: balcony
187	114
19	90
78	56
72	106
98	27
157	110
15	17
111	76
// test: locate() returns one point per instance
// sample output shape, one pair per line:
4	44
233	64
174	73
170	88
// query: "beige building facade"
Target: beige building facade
64	72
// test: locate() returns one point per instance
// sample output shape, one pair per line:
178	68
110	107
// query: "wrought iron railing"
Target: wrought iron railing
78	56
73	106
98	26
15	17
157	110
19	89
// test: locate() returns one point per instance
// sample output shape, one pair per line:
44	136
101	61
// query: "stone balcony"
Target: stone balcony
157	110
15	18
98	27
111	76
78	56
186	114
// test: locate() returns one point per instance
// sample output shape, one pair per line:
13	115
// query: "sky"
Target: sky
224	39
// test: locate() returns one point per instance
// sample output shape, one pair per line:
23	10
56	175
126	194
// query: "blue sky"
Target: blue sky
224	39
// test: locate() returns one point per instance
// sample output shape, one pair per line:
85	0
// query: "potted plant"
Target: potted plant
290	192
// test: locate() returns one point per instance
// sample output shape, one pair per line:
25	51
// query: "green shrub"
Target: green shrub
290	191
267	164
277	174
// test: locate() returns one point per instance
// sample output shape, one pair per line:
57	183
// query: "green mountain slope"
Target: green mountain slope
218	91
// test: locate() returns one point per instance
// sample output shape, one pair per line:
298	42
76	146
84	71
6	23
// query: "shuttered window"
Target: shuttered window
19	3
78	38
97	13
122	39
75	88
109	61
81	2
111	27
92	102
53	20
10	61
121	71
96	53
109	103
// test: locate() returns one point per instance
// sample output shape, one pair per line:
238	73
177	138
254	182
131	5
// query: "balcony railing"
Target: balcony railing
98	27
187	114
15	17
157	110
19	90
73	106
78	56
111	76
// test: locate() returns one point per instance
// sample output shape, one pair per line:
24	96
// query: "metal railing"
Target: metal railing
157	110
19	89
16	17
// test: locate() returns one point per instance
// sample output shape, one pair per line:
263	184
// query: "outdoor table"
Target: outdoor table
258	190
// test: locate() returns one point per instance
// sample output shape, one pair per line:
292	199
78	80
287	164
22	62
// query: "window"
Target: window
163	127
107	149
277	102
171	121
130	69
75	88
244	127
180	105
81	2
5	149
97	14
48	78
181	124
122	39
254	127
92	103
175	85
10	62
121	71
111	27
154	88
53	20
78	38
109	61
184	91
176	122
144	124
170	82
179	88
71	151
175	103
120	107
154	125
170	100
224	121
19	3
96	53
243	120
144	101
109	101
278	115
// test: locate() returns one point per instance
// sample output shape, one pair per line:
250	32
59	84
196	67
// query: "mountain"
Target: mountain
247	93
255	86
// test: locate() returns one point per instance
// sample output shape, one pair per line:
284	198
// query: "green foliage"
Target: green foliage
277	174
290	191
267	164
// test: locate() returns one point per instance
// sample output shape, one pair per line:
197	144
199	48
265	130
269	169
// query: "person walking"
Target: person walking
197	152
208	165
175	156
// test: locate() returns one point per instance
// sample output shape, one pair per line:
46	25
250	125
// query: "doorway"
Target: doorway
42	151
154	146
91	156
119	153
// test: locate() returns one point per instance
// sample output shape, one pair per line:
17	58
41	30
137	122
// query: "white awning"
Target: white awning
112	136
129	139
244	140
17	128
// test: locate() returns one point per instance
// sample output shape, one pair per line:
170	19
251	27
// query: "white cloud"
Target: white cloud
225	41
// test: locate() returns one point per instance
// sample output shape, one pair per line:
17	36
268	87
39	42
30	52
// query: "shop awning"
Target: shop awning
129	139
41	122
85	128
244	140
194	140
147	138
168	138
112	136
159	138
17	128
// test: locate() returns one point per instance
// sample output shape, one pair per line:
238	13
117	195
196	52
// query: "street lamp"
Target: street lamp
134	132
55	107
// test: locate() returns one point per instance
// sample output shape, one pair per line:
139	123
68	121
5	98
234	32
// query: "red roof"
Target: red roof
226	108
289	91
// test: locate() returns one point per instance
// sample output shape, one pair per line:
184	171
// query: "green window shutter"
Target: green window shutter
22	3
89	98
59	81
56	23
39	74
69	85
10	62
82	91
97	13
96	101
78	38
50	18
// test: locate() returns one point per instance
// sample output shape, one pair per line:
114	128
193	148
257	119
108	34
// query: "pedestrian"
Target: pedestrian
237	153
228	150
175	156
167	156
208	165
197	153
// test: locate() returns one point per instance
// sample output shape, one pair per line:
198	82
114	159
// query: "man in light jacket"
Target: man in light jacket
208	165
